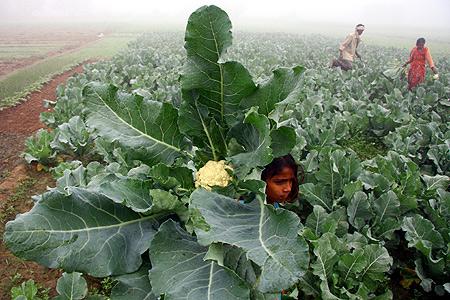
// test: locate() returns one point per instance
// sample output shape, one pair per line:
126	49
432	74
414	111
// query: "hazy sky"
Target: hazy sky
253	13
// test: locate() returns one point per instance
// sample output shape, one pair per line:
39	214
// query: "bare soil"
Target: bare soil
19	122
15	197
19	181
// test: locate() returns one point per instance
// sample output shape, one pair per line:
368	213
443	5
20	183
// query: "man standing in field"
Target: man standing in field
347	49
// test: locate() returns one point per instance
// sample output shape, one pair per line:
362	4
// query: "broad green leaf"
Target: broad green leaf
358	210
235	259
327	250
320	222
355	240
71	286
340	217
72	178
351	188
329	172
326	292
378	262
352	264
410	179
134	286
58	171
146	127
426	283
420	233
179	270
208	33
212	90
374	181
283	140
284	86
387	205
317	195
311	162
84	232
73	138
260	230
133	193
362	292
336	170
254	136
309	284
444	203
440	157
172	177
115	153
207	135
138	195
385	230
435	182
349	167
164	201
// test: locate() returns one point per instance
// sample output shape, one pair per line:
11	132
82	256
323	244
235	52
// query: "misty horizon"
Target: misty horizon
403	13
407	19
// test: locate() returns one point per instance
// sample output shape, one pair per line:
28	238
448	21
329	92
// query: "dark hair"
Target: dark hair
420	40
359	25
277	165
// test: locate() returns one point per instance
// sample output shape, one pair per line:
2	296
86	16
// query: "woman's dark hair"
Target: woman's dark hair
277	165
359	25
420	40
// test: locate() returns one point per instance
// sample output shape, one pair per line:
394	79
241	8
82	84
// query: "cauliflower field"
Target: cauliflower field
130	137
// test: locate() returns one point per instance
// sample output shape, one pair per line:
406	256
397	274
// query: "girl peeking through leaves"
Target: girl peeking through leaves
281	177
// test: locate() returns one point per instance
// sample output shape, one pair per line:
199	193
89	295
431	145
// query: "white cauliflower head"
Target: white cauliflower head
213	173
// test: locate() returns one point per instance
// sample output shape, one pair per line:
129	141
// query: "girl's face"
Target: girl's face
420	45
279	186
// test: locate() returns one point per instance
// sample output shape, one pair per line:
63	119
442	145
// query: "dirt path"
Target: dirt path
15	197
19	122
19	181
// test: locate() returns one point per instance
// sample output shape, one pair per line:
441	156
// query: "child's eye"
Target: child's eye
280	181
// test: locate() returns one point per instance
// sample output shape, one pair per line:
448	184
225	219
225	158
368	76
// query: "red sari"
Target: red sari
416	72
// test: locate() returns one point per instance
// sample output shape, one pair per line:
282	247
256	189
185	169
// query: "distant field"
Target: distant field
438	39
437	48
30	54
19	83
25	44
19	51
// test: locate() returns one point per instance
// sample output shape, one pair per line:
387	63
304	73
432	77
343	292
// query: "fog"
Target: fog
281	15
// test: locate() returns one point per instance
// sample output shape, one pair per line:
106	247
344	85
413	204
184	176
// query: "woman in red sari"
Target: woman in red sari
419	55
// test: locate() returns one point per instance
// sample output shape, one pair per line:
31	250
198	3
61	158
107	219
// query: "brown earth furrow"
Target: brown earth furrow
19	122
